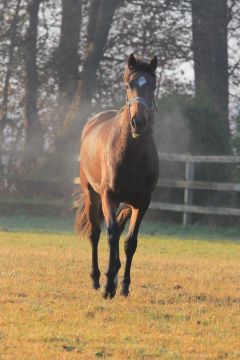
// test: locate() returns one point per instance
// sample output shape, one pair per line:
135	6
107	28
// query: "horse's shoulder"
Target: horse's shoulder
103	116
98	119
106	115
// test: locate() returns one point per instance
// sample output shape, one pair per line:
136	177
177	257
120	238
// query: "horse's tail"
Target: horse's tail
82	225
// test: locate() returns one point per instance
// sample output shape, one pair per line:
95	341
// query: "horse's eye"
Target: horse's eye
130	85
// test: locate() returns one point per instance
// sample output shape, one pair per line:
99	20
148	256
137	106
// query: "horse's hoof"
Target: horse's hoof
96	286
108	293
124	292
95	276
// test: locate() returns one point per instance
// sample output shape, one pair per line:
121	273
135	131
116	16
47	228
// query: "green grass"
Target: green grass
184	302
64	224
35	223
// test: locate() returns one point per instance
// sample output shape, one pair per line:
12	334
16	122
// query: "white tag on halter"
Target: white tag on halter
141	81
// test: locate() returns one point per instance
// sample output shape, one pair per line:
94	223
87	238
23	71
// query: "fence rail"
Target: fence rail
234	159
188	184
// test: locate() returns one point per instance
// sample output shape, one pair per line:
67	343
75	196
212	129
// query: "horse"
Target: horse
118	173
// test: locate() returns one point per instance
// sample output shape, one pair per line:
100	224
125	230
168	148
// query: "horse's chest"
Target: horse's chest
133	184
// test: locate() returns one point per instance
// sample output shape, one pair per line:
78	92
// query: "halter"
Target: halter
137	100
142	101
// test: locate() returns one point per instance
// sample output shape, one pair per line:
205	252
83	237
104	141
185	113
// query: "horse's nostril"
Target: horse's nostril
133	123
138	123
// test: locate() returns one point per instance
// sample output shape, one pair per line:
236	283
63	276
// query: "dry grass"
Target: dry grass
184	303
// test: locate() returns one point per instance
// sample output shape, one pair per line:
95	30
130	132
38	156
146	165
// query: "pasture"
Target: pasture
184	298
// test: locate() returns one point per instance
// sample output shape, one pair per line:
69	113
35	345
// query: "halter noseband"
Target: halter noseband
142	101
137	99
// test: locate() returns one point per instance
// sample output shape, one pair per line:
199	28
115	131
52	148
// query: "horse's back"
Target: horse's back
97	120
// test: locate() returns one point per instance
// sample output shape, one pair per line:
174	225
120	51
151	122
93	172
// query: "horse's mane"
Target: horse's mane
140	66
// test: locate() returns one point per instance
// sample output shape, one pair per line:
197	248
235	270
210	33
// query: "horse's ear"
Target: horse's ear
131	62
154	63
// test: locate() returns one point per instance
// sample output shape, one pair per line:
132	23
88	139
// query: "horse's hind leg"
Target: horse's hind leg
92	209
123	216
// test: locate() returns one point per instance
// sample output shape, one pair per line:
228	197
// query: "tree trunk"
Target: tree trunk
211	64
12	44
66	57
100	20
209	113
34	133
101	14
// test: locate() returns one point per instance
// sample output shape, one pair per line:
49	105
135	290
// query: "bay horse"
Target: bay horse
119	165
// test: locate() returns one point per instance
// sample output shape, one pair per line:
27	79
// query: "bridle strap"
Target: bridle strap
137	100
140	100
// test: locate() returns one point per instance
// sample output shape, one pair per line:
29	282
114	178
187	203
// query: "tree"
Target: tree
12	45
66	56
34	131
210	53
100	19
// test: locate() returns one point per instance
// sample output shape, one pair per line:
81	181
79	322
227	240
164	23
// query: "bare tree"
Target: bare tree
12	45
210	49
66	56
101	14
34	131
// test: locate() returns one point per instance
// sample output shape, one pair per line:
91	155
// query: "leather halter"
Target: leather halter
142	101
137	99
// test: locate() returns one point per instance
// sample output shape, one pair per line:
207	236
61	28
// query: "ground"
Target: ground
184	302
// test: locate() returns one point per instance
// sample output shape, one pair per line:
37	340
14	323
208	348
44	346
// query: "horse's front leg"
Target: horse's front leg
109	207
130	245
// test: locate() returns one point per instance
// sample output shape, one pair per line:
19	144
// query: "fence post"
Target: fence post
188	193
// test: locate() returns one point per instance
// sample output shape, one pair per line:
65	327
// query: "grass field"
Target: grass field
184	303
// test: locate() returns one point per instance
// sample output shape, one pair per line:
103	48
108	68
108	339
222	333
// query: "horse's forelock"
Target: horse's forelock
140	66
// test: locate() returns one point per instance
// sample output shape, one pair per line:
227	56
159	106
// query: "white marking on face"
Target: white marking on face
141	81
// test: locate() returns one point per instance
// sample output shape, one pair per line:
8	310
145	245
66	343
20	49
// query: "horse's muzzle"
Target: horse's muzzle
138	125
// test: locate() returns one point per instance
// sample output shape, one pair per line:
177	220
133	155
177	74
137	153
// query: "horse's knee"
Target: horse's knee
94	234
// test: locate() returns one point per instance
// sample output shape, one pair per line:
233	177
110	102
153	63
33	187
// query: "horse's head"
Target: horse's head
140	82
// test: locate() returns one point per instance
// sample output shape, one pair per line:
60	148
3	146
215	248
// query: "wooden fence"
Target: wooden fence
188	185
